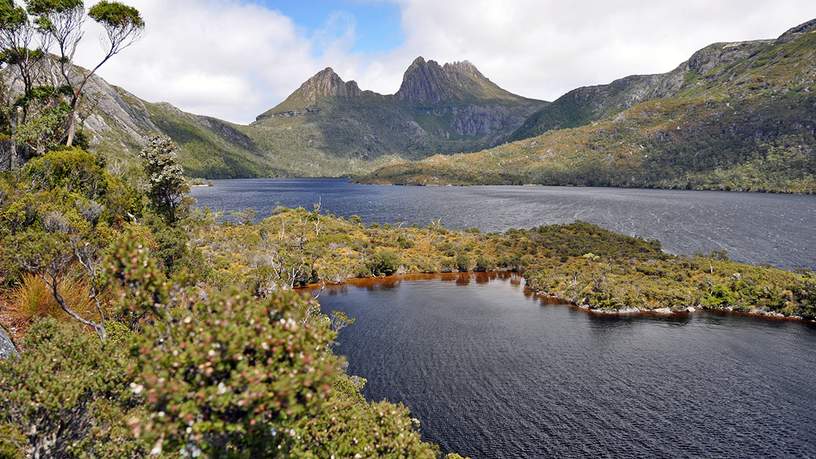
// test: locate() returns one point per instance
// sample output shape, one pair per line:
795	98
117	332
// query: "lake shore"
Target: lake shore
465	278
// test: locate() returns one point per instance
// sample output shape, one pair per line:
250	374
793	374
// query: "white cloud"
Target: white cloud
234	60
544	48
217	57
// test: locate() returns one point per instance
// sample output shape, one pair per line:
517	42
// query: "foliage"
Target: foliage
384	263
116	14
73	170
44	132
50	390
132	272
182	365
12	442
256	366
166	184
45	7
578	262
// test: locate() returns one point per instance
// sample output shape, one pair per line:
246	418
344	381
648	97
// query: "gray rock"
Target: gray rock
6	347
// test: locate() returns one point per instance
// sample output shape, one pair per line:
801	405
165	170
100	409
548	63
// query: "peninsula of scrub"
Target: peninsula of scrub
578	263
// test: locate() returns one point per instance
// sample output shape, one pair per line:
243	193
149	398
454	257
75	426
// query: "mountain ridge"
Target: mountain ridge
748	99
734	116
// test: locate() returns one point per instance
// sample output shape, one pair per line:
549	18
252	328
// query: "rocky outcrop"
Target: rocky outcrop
425	82
428	83
6	346
795	32
324	84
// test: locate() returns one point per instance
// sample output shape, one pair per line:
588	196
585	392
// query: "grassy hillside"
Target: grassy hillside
734	124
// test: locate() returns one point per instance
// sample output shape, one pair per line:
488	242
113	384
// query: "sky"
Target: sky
235	59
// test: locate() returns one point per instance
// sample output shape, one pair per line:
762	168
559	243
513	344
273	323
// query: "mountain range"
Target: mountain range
738	115
735	116
327	127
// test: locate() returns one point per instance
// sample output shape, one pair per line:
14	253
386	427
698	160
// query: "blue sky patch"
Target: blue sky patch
376	23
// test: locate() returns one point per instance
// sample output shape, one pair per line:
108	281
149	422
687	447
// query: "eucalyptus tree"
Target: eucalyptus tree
61	22
20	48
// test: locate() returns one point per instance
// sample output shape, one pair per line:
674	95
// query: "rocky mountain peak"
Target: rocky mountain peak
462	68
428	83
425	82
324	84
801	29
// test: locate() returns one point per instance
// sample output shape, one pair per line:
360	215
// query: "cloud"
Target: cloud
224	58
235	59
544	48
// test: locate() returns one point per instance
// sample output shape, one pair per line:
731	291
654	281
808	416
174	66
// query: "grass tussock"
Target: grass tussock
33	299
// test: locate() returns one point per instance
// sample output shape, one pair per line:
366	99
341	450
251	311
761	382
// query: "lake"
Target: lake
752	227
492	372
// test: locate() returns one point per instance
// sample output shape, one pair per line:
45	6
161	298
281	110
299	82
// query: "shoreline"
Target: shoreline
394	280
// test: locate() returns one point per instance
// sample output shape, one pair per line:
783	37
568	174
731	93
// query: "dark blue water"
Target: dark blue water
493	373
751	227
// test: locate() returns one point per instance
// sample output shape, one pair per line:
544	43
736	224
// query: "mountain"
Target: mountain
450	108
118	122
327	127
584	105
738	116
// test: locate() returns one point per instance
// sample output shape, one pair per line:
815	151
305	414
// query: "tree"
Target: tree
166	184
19	47
17	42
61	21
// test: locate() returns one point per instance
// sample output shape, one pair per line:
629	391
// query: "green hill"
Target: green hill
736	116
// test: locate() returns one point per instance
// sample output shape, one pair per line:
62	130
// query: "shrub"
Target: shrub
484	263
384	262
133	273
12	442
74	170
719	296
463	262
50	391
246	371
166	184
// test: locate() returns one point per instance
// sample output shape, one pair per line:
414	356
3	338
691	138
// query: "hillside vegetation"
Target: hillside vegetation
736	116
128	345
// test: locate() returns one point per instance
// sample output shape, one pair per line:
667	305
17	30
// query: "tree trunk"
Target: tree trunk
13	156
71	128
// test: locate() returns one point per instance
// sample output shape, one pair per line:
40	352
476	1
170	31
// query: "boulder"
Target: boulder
6	346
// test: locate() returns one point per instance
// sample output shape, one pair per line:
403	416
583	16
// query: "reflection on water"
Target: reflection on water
493	371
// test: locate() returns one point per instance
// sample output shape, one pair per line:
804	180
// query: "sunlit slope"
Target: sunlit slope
743	117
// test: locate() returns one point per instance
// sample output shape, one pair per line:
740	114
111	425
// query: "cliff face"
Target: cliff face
428	83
